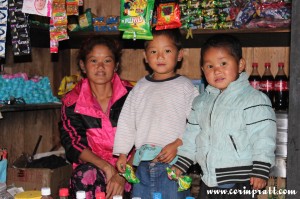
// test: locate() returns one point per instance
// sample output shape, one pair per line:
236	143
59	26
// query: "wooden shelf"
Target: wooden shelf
263	37
29	107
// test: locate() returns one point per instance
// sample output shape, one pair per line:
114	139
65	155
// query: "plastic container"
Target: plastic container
46	193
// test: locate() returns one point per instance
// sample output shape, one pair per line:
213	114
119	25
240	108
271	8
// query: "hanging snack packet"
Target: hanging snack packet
136	17
168	16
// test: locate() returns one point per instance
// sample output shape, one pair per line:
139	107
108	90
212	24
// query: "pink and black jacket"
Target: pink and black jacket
84	125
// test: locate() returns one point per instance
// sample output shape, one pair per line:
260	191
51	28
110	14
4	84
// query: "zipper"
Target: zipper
212	108
234	145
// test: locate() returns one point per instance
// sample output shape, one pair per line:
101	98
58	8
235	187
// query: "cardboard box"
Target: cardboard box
36	178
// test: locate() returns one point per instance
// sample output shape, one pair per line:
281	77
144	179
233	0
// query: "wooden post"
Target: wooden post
293	158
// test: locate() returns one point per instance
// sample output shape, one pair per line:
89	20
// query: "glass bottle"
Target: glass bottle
46	193
254	78
63	193
281	89
267	83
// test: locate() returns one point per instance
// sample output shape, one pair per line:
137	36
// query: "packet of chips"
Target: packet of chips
184	182
136	17
129	175
168	16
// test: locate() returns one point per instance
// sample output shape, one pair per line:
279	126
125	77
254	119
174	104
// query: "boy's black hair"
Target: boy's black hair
173	34
223	41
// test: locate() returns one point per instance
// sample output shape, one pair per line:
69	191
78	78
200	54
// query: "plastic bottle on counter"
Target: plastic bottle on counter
80	195
63	193
157	195
100	195
46	193
117	197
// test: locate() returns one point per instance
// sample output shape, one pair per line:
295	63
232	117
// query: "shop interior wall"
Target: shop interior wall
19	131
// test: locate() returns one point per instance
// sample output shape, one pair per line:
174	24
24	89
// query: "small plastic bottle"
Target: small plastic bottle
63	193
157	195
46	193
80	195
117	197
100	195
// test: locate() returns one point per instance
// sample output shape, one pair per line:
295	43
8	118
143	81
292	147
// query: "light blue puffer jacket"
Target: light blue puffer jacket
231	134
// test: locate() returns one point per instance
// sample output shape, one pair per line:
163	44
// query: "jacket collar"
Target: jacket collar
233	86
84	99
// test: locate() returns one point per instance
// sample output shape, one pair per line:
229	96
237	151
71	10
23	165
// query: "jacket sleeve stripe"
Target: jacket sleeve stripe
258	106
261	121
66	123
183	163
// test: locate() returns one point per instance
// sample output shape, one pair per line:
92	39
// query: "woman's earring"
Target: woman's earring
116	69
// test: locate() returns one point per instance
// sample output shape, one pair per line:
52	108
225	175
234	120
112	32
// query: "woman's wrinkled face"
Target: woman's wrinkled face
99	65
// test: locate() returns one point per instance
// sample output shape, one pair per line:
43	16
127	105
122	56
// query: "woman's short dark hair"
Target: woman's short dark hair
173	34
88	45
223	41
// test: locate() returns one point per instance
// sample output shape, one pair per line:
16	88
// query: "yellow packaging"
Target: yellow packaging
29	195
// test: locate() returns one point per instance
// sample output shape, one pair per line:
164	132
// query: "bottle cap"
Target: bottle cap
189	197
268	64
63	192
117	197
254	65
100	195
45	191
80	194
156	195
281	64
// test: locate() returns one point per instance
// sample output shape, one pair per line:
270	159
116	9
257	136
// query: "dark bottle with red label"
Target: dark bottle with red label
254	78
267	83
281	89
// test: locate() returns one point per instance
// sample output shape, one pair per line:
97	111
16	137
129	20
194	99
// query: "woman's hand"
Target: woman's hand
121	163
169	152
115	186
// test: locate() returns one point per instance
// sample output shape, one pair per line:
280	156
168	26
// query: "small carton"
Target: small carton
36	178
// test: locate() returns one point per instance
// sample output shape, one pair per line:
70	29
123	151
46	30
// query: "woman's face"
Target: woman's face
39	4
99	65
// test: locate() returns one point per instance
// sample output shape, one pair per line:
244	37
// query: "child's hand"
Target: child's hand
257	183
177	171
121	163
169	152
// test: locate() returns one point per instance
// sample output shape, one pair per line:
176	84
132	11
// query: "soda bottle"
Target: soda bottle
254	78
267	83
281	89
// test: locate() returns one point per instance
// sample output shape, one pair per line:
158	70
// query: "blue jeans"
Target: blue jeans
154	178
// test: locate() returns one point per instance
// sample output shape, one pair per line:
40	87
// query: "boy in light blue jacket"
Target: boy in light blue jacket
231	130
